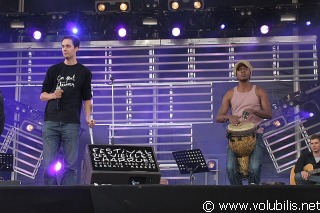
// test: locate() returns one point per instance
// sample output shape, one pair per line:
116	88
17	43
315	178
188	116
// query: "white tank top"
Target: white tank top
246	100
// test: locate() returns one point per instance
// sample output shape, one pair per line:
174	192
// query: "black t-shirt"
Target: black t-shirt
75	81
305	159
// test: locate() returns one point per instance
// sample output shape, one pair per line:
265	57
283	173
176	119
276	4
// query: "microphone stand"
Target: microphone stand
112	109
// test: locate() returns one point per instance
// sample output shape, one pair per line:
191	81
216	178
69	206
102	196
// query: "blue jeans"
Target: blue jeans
56	134
233	172
312	180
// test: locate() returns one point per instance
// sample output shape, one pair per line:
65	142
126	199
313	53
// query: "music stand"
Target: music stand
190	162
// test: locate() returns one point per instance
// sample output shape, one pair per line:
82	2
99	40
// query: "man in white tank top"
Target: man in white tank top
250	103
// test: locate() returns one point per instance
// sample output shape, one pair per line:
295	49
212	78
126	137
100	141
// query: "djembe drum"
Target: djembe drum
242	141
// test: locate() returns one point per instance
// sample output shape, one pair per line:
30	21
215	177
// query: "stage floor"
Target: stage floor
157	198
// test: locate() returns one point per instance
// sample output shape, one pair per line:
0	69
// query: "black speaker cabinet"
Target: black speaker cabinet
120	164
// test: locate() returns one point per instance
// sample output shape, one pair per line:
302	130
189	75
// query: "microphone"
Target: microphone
58	99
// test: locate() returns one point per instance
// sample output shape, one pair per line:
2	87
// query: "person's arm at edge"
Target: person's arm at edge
224	108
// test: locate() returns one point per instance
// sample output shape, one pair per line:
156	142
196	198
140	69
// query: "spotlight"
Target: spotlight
29	127
101	7
197	5
72	27
122	32
212	165
222	26
57	166
308	23
75	30
278	123
37	35
155	4
174	5
176	31
275	123
264	29
186	5
151	4
123	7
112	6
310	109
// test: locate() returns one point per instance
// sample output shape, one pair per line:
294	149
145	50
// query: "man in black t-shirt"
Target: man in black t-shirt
66	86
307	168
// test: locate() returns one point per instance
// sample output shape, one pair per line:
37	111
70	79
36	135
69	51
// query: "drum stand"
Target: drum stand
190	162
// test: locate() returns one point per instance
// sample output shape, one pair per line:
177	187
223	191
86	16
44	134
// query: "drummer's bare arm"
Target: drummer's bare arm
224	108
265	112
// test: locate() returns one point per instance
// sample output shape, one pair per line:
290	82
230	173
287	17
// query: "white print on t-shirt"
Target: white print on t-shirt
66	82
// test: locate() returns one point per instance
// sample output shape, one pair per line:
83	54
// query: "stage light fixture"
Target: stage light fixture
264	29
57	166
72	27
212	164
123	7
222	26
75	30
308	23
151	4
186	5
197	5
29	127
122	32
176	31
150	21
174	5
288	17
112	6
309	109
273	124
277	123
17	25
37	35
101	7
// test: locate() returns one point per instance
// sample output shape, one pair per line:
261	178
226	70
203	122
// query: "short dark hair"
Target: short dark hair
75	40
315	136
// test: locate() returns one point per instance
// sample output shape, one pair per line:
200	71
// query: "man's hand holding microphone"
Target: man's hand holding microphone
57	95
